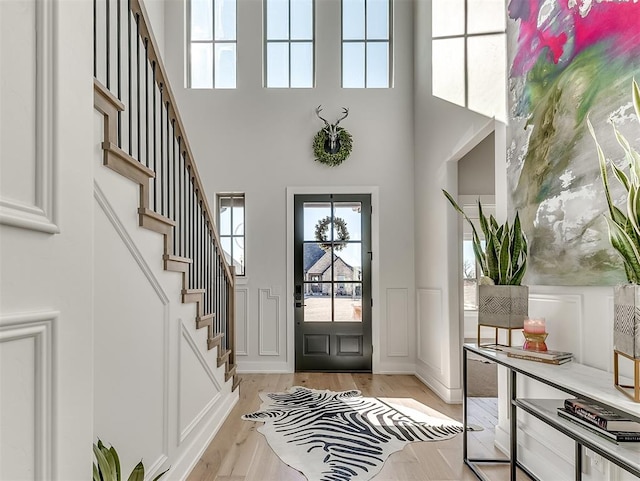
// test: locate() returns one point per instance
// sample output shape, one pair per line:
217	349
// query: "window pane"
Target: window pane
448	70
486	63
317	262
347	302
378	19
201	20
238	216
447	17
302	65
350	212
226	248
469	276
314	212
201	65
301	19
353	19
238	255
277	65
317	302
347	263
277	19
225	19
225	65
224	216
486	16
378	65
353	65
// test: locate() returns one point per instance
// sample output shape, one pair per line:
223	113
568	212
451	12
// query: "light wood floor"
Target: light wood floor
240	453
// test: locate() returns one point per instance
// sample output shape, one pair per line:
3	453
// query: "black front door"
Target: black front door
332	262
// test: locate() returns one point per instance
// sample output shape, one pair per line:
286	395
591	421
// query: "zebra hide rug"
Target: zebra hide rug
342	436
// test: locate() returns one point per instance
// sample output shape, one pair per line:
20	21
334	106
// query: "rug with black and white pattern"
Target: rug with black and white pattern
342	436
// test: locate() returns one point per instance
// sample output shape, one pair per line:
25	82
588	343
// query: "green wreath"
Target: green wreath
322	229
324	157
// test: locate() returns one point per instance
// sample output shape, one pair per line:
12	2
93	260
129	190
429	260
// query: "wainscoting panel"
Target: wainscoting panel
268	323
27	371
397	322
564	320
242	320
430	328
198	389
27	188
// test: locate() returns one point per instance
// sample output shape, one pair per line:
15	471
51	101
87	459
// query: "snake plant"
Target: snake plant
503	259
624	229
106	467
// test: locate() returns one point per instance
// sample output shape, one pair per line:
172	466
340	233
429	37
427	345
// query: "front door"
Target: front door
332	262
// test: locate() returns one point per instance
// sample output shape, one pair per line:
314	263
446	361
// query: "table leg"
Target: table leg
513	435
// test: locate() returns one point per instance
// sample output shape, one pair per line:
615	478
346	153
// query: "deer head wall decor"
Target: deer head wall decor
332	144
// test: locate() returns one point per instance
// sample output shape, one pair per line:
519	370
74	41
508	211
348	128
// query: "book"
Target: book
615	436
539	354
599	415
526	357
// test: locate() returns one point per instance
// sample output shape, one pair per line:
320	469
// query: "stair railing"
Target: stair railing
145	140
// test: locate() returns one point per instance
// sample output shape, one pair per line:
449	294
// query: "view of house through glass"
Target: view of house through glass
332	253
366	43
231	229
212	44
289	43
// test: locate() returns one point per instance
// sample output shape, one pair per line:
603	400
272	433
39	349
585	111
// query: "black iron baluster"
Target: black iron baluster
155	141
146	101
162	179
175	177
130	103
180	197
108	40
119	69
95	38
139	135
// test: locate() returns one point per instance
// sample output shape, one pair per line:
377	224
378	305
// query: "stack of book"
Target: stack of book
550	357
600	420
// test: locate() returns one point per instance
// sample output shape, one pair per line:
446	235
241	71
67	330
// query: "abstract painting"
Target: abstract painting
568	60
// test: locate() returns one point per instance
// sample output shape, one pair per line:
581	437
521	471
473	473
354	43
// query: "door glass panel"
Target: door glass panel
317	301
315	214
316	262
347	263
350	213
348	302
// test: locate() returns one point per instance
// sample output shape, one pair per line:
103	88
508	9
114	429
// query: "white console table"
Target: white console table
577	380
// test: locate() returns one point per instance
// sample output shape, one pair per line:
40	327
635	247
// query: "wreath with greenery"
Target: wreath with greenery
322	229
324	157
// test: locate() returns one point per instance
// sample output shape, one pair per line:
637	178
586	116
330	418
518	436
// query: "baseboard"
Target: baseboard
450	396
395	368
261	367
192	454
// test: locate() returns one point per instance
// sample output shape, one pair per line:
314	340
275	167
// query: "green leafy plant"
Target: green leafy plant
624	229
503	259
106	466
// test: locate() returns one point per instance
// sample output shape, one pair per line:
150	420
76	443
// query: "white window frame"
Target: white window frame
366	42
232	236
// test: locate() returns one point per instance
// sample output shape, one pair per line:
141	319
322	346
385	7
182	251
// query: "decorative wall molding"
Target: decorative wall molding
183	433
397	322
429	307
266	297
138	257
42	214
242	321
41	327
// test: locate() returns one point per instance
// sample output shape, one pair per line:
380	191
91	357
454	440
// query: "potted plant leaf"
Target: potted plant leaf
624	234
106	466
502	301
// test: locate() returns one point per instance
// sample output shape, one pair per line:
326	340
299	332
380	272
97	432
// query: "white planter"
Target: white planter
503	306
626	320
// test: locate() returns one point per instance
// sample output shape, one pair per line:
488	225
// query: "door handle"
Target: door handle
300	304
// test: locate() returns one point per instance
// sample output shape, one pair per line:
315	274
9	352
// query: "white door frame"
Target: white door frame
375	265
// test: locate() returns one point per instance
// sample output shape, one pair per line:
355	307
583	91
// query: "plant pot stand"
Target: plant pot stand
631	391
508	329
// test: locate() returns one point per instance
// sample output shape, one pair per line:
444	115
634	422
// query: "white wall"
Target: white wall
158	393
443	134
46	279
258	141
476	170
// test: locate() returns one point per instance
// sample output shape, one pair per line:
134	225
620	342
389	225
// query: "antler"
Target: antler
345	111
318	110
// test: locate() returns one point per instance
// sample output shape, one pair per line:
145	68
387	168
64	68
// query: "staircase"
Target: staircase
144	140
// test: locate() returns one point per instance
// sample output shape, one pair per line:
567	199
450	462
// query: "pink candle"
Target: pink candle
534	325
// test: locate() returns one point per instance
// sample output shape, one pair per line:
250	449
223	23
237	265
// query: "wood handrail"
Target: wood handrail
138	9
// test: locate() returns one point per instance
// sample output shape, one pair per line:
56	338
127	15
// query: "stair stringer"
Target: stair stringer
124	164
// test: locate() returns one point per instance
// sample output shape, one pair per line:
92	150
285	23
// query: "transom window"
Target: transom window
289	45
212	44
231	229
366	43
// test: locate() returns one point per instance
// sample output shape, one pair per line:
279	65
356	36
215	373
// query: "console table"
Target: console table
572	378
